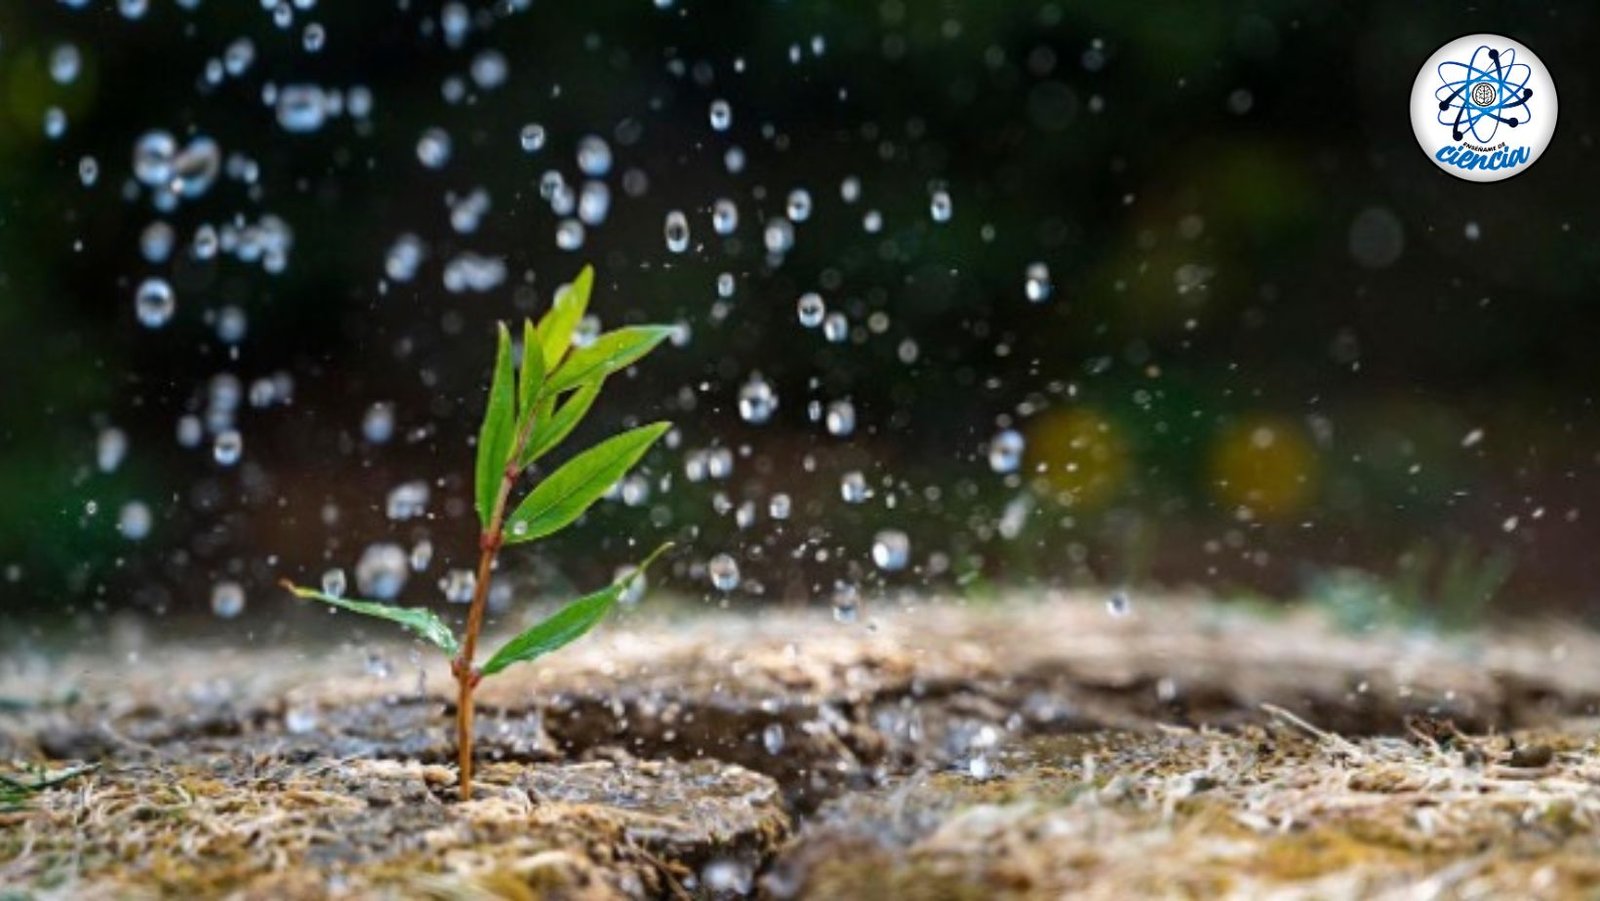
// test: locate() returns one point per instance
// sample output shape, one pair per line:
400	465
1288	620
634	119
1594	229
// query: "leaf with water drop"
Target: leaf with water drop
498	432
531	377
418	619
573	488
556	326
567	624
552	424
609	353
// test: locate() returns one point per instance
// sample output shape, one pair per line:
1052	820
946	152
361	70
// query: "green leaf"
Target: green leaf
567	624
531	377
570	490
609	353
420	620
556	326
498	432
552	425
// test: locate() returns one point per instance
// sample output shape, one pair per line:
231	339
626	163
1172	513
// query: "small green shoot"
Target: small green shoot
532	408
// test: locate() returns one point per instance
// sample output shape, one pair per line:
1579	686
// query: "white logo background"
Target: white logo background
1484	82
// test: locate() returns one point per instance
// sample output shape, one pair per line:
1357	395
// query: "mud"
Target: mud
788	754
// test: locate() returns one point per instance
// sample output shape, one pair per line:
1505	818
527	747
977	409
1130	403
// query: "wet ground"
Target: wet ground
944	751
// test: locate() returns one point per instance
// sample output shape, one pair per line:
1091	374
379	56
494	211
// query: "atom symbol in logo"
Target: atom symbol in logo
1497	89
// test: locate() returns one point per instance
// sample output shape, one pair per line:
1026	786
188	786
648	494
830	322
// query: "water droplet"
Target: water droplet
111	445
676	230
314	37
433	148
333	582
381	571
133	520
891	549
88	171
721	115
846	602
421	555
757	400
65	61
799	205
300	719
458	585
810	309
836	328
569	234
227	447
725	285
153	153
1118	604
301	108
227	599
939	206
853	487
724	572
724	216
532	137
594	156
407	500
841	418
850	189
377	424
772	738
154	302
778	506
778	236
1005	451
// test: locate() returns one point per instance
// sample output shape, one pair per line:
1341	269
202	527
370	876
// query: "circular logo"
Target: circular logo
1483	107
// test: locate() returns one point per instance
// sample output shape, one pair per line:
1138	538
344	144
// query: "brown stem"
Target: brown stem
466	673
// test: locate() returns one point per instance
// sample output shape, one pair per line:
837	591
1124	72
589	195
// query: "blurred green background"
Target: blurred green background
1284	354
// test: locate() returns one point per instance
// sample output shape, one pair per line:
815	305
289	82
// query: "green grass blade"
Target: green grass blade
609	353
556	326
420	620
570	490
553	424
498	432
567	624
531	377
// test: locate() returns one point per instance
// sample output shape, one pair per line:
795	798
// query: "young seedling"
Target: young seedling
530	412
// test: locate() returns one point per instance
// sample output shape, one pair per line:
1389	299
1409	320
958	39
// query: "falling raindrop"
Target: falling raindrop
939	206
772	738
724	572
778	506
333	582
458	585
227	447
407	500
724	216
725	285
836	328
1036	284
1005	451
676	231
1118	604
433	148
757	400
88	171
381	571
721	115
841	418
111	445
846	602
799	206
594	156
778	236
421	555
811	309
891	549
853	487
227	599
532	137
133	520
154	302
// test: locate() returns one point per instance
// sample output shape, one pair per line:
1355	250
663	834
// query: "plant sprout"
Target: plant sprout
529	413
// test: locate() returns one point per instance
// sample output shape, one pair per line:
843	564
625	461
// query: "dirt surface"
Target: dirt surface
945	750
